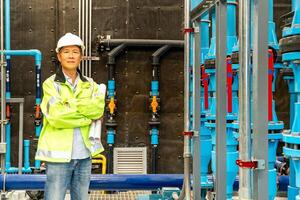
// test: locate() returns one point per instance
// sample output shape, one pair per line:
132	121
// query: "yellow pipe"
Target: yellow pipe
100	159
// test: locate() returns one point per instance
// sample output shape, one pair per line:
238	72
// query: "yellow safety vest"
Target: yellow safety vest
64	110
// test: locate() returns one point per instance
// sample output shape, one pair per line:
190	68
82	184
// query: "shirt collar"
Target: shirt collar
59	76
69	80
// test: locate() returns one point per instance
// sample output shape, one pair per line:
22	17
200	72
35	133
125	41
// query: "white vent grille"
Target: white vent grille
130	160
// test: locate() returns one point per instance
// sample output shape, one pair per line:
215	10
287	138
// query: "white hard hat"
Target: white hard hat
69	39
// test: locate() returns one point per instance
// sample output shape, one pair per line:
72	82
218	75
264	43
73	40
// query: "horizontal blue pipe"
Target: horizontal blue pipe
105	182
32	52
114	181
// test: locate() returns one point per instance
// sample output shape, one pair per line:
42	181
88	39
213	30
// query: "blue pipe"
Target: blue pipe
154	136
7	26
272	37
113	181
26	168
204	24
292	190
8	167
111	94
32	52
38	59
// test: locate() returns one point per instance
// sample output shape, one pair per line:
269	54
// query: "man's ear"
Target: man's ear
58	57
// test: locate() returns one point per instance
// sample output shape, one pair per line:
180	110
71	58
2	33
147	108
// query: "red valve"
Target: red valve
270	80
205	85
188	30
247	164
188	133
229	84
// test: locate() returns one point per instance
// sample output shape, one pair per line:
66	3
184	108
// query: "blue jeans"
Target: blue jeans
74	175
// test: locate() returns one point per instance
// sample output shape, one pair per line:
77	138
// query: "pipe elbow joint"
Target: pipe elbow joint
37	56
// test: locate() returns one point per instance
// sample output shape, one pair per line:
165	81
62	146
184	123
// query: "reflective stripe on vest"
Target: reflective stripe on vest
53	154
50	102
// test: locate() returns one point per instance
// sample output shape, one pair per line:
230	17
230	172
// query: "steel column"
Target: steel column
221	51
260	91
245	187
197	111
3	86
187	142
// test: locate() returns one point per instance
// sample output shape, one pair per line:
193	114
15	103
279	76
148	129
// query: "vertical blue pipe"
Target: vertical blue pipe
7	157
154	136
272	38
111	94
204	24
231	25
38	100
8	69
26	168
296	123
293	188
7	26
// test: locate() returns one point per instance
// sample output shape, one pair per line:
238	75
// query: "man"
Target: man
70	103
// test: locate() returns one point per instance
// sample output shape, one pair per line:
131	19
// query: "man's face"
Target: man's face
69	57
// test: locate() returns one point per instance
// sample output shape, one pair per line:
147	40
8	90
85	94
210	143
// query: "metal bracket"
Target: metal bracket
91	58
196	133
196	28
5	121
4	64
2	148
261	164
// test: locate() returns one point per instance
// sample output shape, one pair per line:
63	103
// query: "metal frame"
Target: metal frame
245	186
221	102
197	112
19	101
260	91
3	85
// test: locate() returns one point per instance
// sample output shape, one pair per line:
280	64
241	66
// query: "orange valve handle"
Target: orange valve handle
111	106
8	109
154	104
38	112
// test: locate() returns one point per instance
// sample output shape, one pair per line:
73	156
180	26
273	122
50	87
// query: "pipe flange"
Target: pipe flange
289	44
205	20
154	123
292	146
277	56
233	3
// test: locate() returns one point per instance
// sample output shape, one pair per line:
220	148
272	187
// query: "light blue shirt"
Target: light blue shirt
79	150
